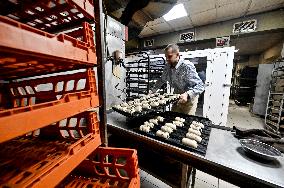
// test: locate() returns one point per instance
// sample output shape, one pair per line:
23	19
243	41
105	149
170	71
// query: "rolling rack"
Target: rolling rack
49	125
274	117
142	71
244	85
137	74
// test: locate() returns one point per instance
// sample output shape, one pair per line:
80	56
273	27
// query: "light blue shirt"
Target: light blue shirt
183	78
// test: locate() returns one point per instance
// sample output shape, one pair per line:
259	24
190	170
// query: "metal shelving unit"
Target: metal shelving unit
143	70
244	85
274	117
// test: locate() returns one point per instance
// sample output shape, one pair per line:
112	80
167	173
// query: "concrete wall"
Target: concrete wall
265	21
271	54
253	60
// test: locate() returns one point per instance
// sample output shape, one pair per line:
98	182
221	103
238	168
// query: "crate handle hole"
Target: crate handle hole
83	122
123	172
121	160
81	84
70	85
63	123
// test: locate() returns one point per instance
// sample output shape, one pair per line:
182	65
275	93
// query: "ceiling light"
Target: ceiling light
177	11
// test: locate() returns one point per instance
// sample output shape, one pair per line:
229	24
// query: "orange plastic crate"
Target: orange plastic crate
49	15
39	102
111	167
26	51
72	128
35	162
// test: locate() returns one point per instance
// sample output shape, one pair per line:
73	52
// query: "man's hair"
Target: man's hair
174	48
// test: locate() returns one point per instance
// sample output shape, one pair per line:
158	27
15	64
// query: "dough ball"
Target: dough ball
191	130
189	142
167	129
194	137
163	134
155	121
154	104
196	127
173	126
144	128
160	118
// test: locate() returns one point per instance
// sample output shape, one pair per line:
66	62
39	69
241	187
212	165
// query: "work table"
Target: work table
224	159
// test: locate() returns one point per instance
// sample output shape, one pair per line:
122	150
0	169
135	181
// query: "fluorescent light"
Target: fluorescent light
177	11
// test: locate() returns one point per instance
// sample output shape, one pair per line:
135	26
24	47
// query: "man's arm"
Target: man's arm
194	85
162	80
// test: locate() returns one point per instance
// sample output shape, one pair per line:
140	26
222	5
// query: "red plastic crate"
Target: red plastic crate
49	15
34	162
26	51
111	167
39	102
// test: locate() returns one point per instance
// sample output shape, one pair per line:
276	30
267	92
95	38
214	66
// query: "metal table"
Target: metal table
224	158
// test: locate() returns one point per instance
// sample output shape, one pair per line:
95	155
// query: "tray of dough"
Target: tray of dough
187	132
146	104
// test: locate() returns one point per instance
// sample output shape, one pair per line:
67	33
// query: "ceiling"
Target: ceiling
149	21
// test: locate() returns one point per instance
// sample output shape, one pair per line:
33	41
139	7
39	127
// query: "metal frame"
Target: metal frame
101	69
269	118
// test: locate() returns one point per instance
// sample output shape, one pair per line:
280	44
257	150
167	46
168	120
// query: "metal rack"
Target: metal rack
274	117
244	85
142	71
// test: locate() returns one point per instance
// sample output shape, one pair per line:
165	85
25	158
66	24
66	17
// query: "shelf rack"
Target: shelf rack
274	117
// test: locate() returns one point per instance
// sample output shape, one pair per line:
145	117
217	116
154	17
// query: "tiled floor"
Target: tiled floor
148	181
241	117
238	116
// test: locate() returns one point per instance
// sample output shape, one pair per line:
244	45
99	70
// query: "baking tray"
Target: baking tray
260	149
176	136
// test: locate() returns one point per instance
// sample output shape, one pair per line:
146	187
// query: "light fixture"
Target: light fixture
177	11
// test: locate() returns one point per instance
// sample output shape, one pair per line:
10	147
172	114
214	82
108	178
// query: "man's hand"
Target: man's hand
183	98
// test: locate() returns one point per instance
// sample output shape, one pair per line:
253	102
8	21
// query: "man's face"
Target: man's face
172	57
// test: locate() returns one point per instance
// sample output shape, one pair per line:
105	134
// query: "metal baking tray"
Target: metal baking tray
176	136
260	149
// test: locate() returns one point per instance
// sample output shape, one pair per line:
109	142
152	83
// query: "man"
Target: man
183	77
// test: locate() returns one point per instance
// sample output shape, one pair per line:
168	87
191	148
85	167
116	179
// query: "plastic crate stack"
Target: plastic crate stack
142	72
274	117
47	93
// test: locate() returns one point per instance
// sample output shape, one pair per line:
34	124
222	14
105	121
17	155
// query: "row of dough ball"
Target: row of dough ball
168	128
154	97
146	102
150	124
193	137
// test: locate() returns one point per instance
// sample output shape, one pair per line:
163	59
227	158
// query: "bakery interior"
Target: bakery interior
171	93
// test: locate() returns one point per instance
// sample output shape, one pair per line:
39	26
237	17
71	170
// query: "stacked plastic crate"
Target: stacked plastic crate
47	89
